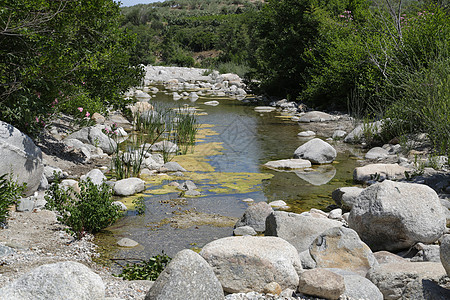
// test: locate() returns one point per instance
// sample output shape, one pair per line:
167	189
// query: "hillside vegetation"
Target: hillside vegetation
376	59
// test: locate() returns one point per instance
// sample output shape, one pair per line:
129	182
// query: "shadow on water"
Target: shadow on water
248	140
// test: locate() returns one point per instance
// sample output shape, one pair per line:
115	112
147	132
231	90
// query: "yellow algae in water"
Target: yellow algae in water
128	201
196	161
165	189
231	182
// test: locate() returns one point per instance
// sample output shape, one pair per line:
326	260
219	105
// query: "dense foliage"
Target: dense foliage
88	210
10	192
60	55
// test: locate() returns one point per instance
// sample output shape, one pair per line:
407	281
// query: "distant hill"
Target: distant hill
206	33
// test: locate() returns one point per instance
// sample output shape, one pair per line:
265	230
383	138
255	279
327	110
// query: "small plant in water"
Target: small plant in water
139	205
186	129
146	269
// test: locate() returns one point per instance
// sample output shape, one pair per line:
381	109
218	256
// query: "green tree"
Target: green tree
57	53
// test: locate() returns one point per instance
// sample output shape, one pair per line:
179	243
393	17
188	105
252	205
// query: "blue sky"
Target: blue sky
134	2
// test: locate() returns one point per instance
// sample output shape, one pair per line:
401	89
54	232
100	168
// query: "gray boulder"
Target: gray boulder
248	263
188	276
317	151
346	197
316	116
97	177
94	136
63	280
255	216
164	146
376	153
173	167
129	186
409	280
445	253
151	164
394	215
341	247
298	230
321	283
379	172
358	287
244	230
20	156
288	164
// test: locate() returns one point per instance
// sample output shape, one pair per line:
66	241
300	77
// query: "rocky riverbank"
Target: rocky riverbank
388	240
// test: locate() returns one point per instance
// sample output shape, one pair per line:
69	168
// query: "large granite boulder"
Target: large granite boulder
188	276
316	151
20	157
341	247
321	283
409	280
248	263
445	253
298	230
255	216
394	215
63	280
358	287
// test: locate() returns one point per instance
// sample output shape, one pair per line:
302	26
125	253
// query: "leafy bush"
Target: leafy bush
89	210
10	192
147	269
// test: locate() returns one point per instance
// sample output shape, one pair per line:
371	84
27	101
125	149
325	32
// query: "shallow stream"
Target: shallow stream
234	142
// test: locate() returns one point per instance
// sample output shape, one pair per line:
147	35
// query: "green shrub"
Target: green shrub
139	205
147	269
89	210
10	192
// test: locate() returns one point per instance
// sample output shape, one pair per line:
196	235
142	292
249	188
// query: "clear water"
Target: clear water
249	140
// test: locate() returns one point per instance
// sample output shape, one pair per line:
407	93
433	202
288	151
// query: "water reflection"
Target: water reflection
319	175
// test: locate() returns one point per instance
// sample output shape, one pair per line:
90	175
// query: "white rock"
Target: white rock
63	280
129	186
316	151
307	133
248	263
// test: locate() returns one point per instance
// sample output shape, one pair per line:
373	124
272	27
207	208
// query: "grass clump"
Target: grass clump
146	269
89	210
